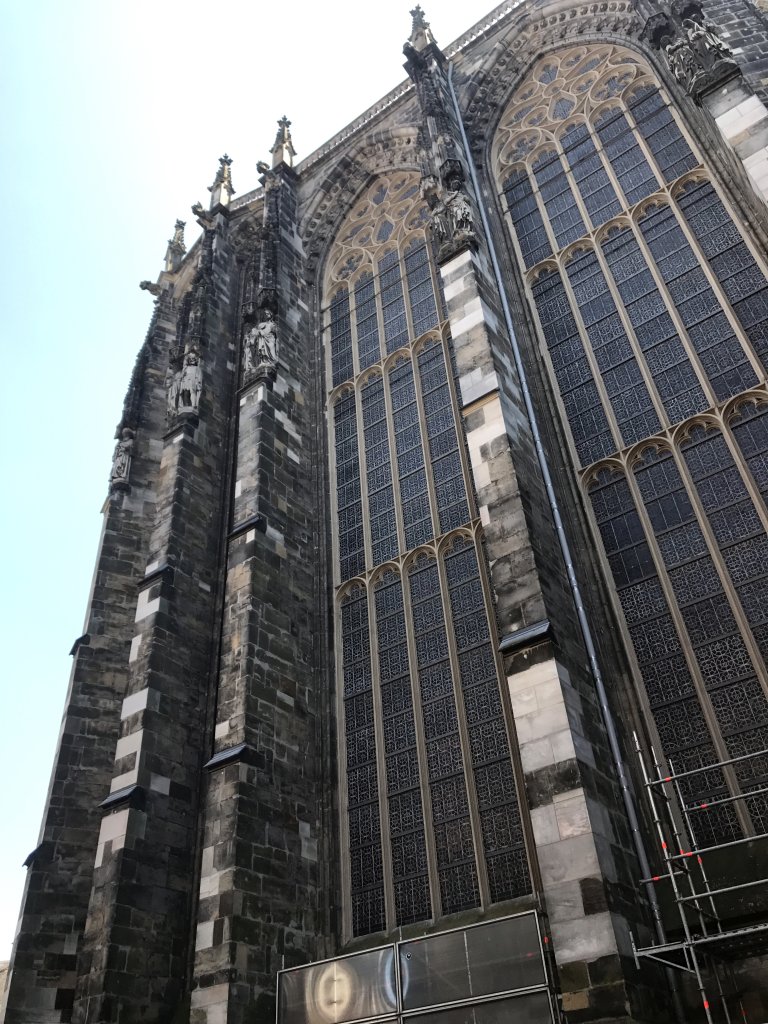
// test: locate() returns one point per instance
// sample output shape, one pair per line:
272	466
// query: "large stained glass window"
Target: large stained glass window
432	824
652	307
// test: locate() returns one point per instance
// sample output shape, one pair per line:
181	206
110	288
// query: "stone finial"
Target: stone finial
421	34
283	151
221	190
174	254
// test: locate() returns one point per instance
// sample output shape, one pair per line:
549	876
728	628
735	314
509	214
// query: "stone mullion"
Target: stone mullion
590	356
744	341
466	749
381	761
629	330
693	666
720	567
421	747
690	350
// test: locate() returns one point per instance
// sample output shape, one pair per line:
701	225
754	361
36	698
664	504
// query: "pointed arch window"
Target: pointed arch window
431	822
653	321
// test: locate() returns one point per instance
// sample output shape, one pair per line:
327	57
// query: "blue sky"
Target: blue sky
114	116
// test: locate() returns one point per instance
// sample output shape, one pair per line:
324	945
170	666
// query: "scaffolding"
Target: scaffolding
705	947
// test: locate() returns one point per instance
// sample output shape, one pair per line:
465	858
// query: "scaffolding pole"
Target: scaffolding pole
705	940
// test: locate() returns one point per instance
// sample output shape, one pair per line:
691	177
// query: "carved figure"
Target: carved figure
121	460
452	215
190	383
261	342
705	42
681	60
172	383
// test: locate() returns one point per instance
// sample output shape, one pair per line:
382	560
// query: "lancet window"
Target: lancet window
430	812
652	309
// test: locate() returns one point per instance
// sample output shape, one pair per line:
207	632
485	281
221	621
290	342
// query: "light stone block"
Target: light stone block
204	936
135	702
544	824
572	815
585	939
146	607
568	860
130	744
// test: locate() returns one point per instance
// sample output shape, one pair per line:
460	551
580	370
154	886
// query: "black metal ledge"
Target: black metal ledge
526	637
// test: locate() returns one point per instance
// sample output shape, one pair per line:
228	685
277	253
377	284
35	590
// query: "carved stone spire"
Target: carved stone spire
283	151
221	190
174	254
421	34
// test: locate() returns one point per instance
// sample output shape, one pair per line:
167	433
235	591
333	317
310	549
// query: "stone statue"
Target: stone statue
705	42
699	59
261	343
121	459
452	218
681	60
190	382
172	385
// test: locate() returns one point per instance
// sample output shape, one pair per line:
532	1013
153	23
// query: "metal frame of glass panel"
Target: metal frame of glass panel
388	988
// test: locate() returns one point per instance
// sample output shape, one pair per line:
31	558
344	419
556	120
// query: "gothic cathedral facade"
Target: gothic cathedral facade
426	671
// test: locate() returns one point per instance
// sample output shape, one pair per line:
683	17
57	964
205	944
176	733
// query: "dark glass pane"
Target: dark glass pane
406	815
529	226
367	324
495	788
381	499
450	811
420	291
635	176
589	426
590	175
362	785
728	254
341	338
721	355
675	379
555	190
447	473
392	302
348	493
659	129
622	377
